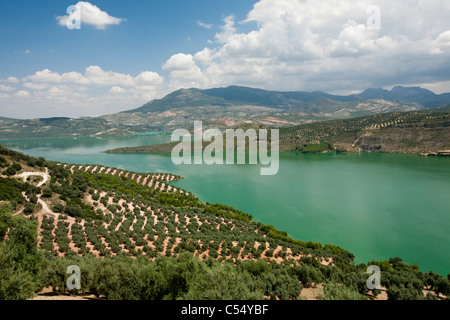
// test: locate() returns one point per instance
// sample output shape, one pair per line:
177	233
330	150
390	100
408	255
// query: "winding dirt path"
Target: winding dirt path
25	175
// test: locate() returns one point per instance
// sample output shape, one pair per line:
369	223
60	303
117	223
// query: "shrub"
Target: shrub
73	210
58	207
47	193
337	291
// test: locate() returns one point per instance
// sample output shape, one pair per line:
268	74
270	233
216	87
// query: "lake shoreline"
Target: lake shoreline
161	149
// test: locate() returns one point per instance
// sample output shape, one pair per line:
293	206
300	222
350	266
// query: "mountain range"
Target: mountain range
295	100
229	107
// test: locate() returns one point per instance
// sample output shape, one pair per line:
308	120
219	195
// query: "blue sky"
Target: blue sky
152	32
130	52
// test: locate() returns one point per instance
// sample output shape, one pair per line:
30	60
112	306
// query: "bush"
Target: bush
337	291
13	169
404	293
47	193
73	210
3	162
58	207
29	208
20	262
223	282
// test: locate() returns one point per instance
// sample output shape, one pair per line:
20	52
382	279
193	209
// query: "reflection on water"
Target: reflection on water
87	144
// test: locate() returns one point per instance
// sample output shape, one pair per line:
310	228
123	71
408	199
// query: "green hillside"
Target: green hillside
410	132
397	132
134	236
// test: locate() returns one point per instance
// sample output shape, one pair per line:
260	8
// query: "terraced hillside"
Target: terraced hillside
136	226
134	236
107	211
159	181
410	132
398	132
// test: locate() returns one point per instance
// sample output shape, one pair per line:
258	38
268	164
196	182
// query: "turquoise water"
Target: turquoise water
375	205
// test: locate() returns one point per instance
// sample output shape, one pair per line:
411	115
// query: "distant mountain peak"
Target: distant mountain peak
414	88
373	93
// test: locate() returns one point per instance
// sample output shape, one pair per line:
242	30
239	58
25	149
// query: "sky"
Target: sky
127	53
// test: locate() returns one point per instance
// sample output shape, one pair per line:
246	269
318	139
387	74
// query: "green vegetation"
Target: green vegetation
134	238
20	261
410	132
397	132
315	148
338	291
11	191
3	162
13	169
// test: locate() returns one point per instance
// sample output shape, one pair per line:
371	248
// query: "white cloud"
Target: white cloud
442	43
22	94
75	77
91	15
48	76
148	77
35	86
117	90
12	80
92	75
44	76
95	91
323	45
182	66
205	56
444	38
179	61
204	25
104	78
228	30
6	88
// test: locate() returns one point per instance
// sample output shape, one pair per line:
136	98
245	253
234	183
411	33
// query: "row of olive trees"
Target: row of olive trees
25	271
